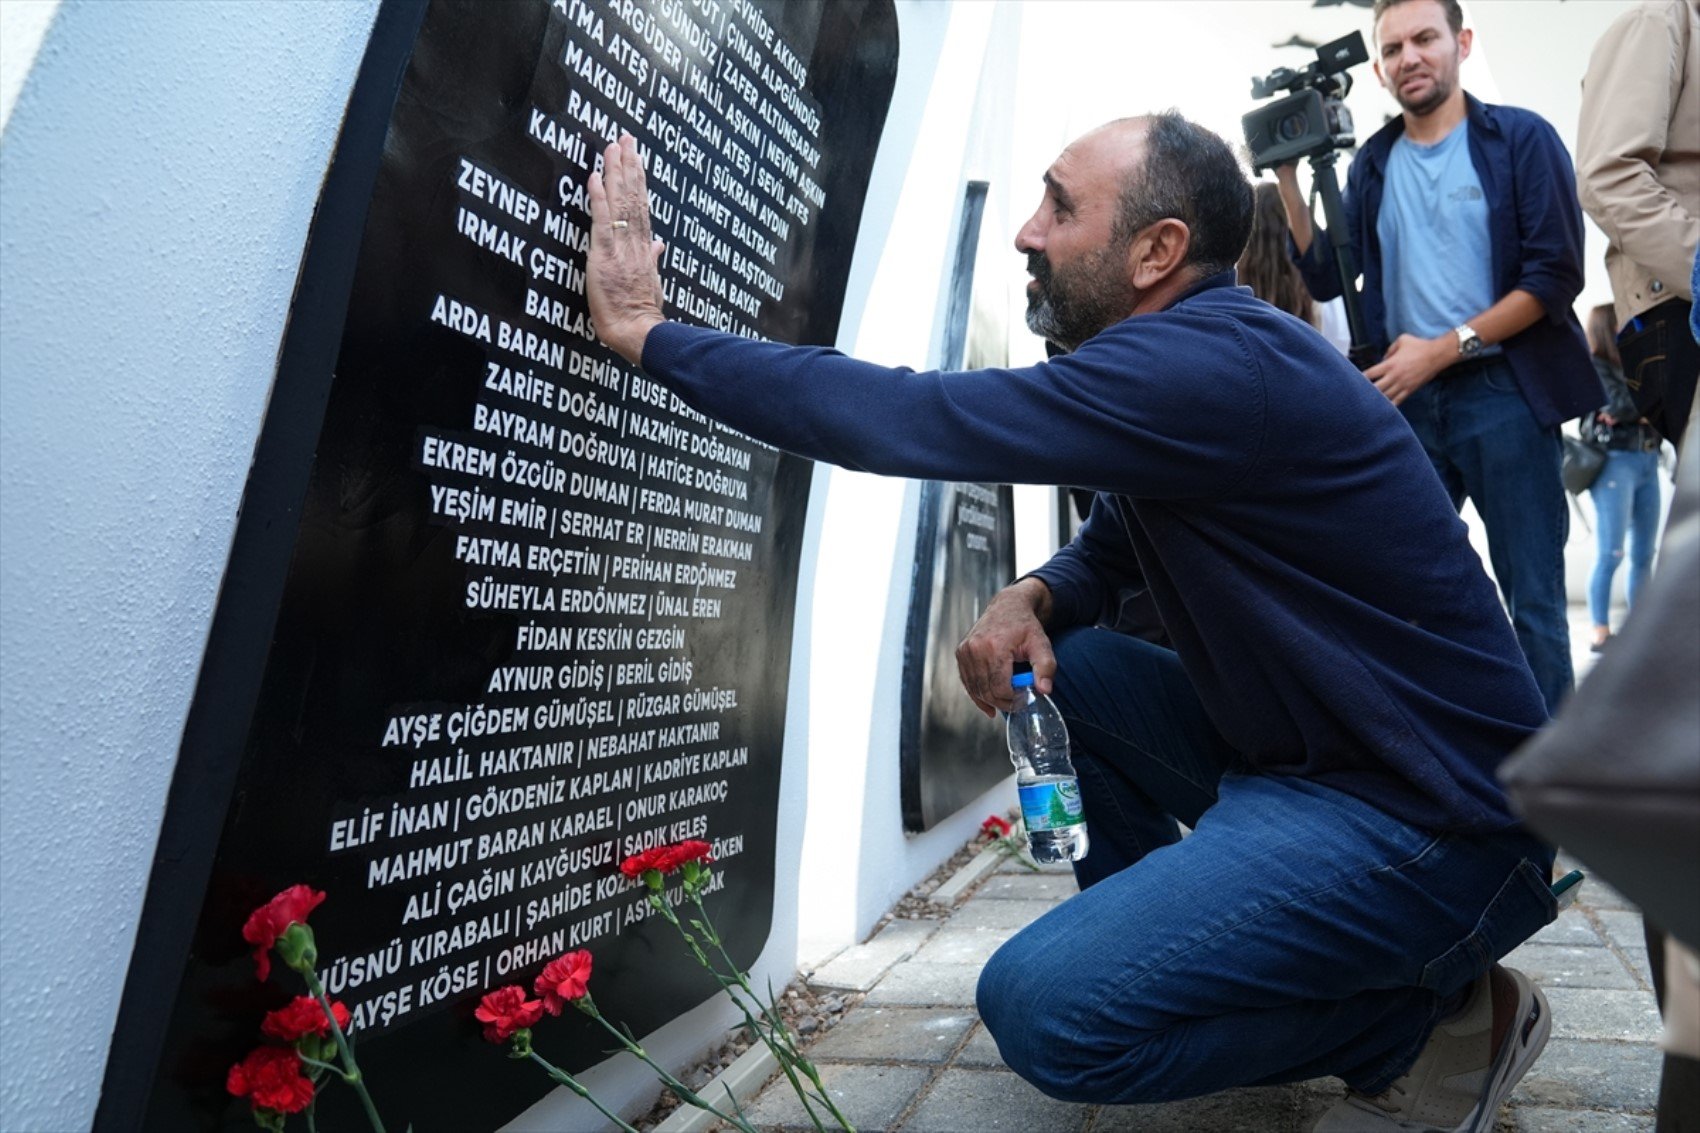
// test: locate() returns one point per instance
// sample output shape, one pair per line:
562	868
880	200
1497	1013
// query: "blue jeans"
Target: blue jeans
1626	499
1296	933
1487	446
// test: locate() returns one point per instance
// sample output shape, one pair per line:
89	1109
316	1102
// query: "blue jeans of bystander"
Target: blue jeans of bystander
1487	446
1626	500
1298	932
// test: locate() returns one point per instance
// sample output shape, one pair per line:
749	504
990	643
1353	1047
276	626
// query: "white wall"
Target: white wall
158	172
856	859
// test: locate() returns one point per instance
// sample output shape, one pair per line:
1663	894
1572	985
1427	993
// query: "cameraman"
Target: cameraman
1463	220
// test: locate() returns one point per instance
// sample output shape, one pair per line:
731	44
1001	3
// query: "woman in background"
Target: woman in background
1626	493
1269	271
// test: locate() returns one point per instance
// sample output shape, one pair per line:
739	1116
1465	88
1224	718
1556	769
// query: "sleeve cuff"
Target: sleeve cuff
1066	598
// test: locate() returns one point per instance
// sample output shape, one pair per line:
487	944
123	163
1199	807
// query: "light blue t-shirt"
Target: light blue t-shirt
1433	230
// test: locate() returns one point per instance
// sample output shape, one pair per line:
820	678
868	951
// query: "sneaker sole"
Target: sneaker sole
1519	1053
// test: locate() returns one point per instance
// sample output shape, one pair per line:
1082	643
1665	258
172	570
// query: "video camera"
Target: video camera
1313	119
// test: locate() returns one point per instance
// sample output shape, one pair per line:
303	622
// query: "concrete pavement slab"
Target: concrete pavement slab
860	967
1597	894
916	984
870	1096
1553	965
965	945
1012	866
1572	929
1623	930
895	1034
1542	1120
1589	1013
1027	886
980	1050
1593	1075
989	1101
1273	1109
978	912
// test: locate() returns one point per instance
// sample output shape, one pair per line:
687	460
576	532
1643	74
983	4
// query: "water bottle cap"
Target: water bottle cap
1021	680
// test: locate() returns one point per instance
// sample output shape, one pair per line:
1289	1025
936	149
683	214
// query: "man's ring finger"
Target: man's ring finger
619	224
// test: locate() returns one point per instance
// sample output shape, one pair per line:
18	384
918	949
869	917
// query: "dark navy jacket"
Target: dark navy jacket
1536	227
1316	581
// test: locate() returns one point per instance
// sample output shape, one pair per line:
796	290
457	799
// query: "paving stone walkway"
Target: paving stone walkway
912	1056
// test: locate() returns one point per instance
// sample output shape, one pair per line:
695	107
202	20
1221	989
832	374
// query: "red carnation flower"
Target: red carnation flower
269	921
301	1017
505	1011
564	980
688	851
995	826
652	858
270	1077
666	859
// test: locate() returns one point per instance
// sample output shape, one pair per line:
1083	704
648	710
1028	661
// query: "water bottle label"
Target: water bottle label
1050	806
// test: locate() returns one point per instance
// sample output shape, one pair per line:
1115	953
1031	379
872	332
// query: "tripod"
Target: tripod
1326	184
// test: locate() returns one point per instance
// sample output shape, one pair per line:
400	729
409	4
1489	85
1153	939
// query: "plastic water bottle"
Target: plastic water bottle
1044	777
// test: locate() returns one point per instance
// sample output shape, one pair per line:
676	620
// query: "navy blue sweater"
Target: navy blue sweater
1312	573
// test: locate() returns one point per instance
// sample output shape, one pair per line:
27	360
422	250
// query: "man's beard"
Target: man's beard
1440	89
1082	299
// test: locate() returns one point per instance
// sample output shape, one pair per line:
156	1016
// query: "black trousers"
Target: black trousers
1660	363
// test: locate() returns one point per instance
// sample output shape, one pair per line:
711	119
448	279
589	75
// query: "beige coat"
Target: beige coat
1638	151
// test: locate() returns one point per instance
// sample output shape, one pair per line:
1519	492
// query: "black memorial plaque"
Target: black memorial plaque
964	554
950	753
501	611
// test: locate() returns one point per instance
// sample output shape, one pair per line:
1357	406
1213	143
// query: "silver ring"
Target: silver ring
619	224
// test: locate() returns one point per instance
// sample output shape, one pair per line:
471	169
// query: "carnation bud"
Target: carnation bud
320	1048
521	1043
297	949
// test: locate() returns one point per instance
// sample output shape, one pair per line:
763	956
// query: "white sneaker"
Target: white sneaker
1454	1086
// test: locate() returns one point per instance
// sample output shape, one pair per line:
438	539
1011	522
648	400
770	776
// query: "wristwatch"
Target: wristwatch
1469	345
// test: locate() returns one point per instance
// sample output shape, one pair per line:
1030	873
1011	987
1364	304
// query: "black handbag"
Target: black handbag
1615	779
1582	463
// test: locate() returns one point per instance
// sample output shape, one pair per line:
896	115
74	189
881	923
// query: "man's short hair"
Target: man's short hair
1454	13
1189	174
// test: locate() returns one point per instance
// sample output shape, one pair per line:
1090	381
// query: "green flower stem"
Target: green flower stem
684	1092
729	984
350	1068
312	1120
1013	846
778	1036
578	1088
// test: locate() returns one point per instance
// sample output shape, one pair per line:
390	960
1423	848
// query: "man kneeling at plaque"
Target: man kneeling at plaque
1343	681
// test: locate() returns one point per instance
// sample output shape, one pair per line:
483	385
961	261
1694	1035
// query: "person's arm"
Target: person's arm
1293	201
1071	589
1158	406
1412	362
1634	78
1549	222
1306	243
1549	271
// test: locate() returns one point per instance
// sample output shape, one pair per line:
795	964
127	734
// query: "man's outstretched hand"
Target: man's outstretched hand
622	283
1011	629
